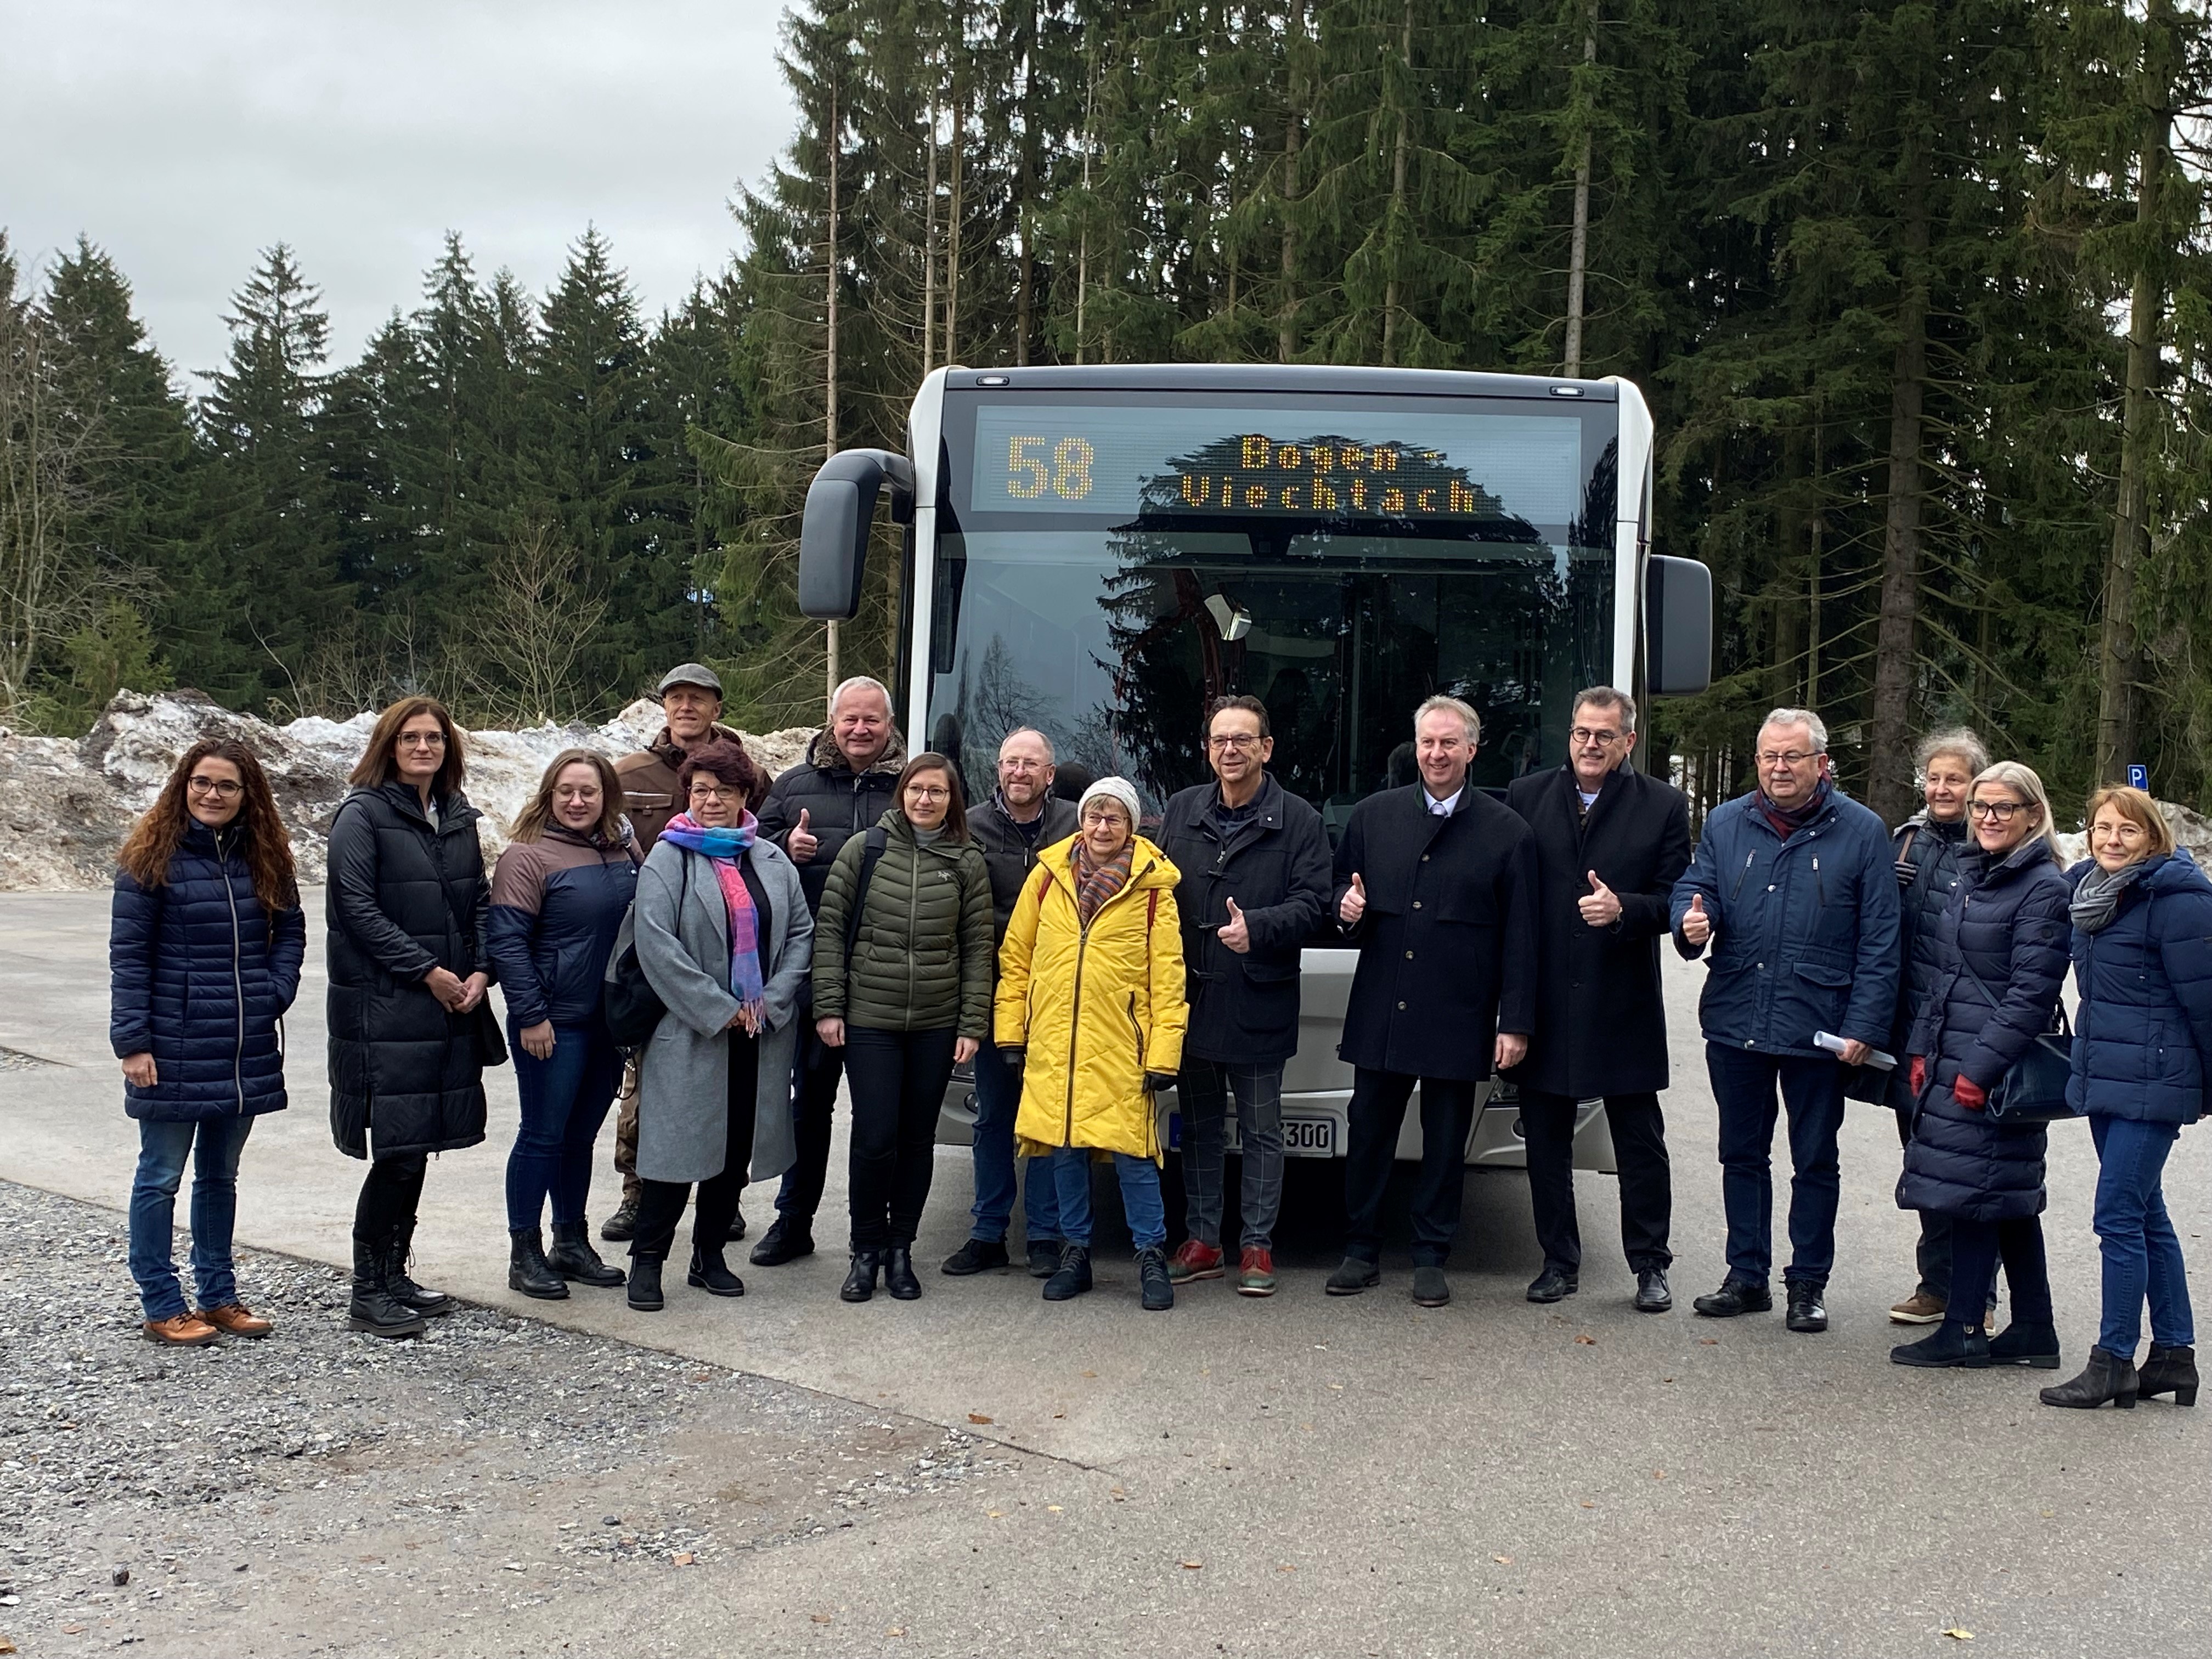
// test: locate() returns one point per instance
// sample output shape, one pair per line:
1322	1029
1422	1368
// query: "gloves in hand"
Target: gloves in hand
1969	1093
1918	1075
1156	1081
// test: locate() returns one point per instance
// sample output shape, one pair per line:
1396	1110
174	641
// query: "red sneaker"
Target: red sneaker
1255	1274
1195	1261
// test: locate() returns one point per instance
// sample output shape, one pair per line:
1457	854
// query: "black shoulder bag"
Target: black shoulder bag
2033	1088
633	1008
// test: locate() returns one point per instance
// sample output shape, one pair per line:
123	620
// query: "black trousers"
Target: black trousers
389	1196
898	1084
1933	1255
816	1072
1647	1188
660	1203
1977	1248
1377	1111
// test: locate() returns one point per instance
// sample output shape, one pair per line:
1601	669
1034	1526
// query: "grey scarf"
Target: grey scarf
2098	895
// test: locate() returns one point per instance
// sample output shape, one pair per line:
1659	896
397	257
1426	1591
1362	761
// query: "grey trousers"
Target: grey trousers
1203	1086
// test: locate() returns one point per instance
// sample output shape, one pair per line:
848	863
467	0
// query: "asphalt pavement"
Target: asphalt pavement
1306	1475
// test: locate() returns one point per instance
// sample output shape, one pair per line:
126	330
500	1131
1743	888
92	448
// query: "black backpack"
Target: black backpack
633	1007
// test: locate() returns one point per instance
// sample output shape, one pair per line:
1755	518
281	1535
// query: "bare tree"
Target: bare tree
517	664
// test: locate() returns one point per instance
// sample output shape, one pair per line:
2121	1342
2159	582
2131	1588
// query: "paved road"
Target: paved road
1357	1476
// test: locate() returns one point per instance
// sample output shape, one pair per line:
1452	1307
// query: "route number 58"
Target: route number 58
1035	465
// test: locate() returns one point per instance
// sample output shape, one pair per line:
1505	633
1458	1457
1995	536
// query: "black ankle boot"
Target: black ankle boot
860	1278
710	1274
528	1271
2024	1344
645	1284
2109	1376
1950	1344
1072	1277
898	1274
573	1257
1157	1289
432	1303
374	1309
2169	1371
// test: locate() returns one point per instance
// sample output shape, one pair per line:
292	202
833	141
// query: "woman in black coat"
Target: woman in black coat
410	960
205	958
2001	952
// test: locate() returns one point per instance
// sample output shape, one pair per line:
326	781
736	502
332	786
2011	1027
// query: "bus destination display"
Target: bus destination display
1122	460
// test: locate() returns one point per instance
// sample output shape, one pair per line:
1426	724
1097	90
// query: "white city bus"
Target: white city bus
1097	551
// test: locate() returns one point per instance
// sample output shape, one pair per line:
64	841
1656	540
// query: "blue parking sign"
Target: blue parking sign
2139	777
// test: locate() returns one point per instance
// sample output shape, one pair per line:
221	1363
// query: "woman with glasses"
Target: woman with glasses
903	984
203	959
1999	959
724	938
2142	1052
410	957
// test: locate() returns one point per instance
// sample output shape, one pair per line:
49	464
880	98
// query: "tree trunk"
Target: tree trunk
1287	314
955	209
1082	246
829	357
1397	193
1578	243
929	252
1889	790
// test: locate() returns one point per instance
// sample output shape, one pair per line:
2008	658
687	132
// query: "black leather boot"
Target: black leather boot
573	1257
528	1271
2169	1370
786	1240
374	1309
710	1274
432	1303
1157	1290
1950	1344
1072	1277
861	1278
2023	1344
898	1274
621	1227
2109	1376
645	1284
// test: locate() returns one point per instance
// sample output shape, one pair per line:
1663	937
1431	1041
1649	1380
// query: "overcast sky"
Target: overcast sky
186	136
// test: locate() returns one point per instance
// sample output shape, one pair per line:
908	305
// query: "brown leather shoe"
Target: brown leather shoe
184	1330
236	1319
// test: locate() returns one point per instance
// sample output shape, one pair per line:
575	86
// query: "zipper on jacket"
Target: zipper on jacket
1075	1012
1138	1029
913	927
237	977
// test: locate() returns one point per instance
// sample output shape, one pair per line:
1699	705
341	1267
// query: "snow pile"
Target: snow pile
66	807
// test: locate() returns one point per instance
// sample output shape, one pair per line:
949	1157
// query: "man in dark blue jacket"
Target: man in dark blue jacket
1794	888
1255	885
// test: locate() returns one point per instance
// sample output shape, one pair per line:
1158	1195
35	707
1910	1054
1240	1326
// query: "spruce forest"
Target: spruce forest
1917	293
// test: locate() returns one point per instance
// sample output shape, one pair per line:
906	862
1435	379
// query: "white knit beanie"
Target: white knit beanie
1119	789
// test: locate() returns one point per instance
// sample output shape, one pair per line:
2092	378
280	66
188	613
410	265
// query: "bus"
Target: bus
1097	551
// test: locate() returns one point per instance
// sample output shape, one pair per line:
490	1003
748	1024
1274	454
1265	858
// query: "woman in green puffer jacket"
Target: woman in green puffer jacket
904	988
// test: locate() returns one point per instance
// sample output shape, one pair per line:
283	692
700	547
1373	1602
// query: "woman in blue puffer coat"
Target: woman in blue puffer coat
558	897
2142	1050
203	959
1999	959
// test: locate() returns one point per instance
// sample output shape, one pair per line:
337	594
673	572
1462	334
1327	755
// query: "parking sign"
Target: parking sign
2139	777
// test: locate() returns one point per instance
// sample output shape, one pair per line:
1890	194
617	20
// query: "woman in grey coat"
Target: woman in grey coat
724	939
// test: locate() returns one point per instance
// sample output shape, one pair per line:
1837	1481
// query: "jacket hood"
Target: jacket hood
823	755
2029	855
1149	867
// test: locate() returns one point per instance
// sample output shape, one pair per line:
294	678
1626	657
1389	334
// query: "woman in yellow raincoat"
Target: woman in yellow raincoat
1091	1005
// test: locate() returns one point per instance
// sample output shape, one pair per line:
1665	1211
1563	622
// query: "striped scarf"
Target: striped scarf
1096	882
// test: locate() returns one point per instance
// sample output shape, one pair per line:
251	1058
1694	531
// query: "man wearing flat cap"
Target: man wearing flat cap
691	707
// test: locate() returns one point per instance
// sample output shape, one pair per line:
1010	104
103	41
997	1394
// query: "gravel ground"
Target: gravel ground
324	1491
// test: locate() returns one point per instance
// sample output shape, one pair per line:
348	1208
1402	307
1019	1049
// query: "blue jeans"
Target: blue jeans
1744	1082
1140	1197
1205	1086
565	1098
2143	1256
162	1150
998	1100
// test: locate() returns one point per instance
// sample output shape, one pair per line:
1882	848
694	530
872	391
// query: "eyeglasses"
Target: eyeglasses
707	792
421	740
1590	734
2001	811
923	792
1785	757
221	788
1239	741
1094	815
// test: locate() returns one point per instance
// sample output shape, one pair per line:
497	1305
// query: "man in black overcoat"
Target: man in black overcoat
1610	842
1435	884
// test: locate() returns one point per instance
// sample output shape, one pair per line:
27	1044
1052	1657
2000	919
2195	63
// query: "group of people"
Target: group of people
719	951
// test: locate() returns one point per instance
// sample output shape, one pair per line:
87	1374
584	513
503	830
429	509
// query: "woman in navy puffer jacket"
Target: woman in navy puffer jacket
558	898
203	959
2000	961
2142	1050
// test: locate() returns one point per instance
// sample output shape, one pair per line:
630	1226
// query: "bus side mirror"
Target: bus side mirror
832	537
1677	627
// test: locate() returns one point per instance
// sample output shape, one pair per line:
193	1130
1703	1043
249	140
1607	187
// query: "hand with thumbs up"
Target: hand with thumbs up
801	842
1353	904
1697	925
1601	907
1236	935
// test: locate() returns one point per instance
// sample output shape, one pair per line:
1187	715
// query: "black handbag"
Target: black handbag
633	1008
2033	1088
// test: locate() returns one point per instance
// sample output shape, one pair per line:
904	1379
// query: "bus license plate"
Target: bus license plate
1309	1137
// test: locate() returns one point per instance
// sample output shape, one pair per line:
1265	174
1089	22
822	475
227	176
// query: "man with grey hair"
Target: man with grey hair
1435	884
1022	818
843	786
1793	889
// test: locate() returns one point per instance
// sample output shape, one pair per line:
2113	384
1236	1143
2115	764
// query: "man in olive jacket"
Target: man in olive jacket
1023	817
1255	886
848	778
1610	842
